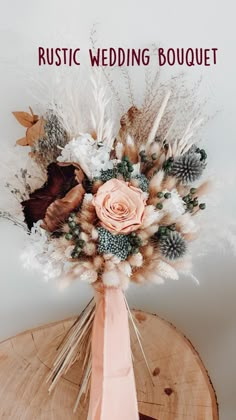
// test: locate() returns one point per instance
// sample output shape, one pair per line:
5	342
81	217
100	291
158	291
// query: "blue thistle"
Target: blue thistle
119	245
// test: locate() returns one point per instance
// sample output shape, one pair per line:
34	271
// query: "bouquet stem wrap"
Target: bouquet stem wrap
113	392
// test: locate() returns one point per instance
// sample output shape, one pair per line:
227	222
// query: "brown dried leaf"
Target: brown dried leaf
24	118
60	209
35	132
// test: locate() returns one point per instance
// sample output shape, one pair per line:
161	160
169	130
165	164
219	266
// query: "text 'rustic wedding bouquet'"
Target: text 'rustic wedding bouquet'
113	208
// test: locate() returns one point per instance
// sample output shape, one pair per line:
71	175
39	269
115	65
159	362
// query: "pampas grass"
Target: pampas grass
87	214
166	271
155	184
204	188
151	216
130	150
169	183
182	265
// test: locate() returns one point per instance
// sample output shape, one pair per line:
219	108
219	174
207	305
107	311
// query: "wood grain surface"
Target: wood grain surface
182	389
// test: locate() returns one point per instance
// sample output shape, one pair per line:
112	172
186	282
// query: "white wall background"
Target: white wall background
206	314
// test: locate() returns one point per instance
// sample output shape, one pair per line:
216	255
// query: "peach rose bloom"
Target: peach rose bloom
119	206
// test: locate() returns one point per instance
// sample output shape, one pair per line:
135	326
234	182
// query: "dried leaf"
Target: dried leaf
79	174
22	142
129	124
35	117
35	132
60	181
24	118
60	209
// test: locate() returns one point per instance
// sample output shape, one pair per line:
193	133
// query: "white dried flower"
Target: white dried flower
174	205
91	156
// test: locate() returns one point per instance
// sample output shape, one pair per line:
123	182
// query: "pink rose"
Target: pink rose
119	206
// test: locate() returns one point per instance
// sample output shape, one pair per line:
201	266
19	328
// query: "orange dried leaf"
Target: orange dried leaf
24	118
22	142
35	117
35	132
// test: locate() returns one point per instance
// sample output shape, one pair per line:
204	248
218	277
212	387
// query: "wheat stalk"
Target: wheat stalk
76	345
138	335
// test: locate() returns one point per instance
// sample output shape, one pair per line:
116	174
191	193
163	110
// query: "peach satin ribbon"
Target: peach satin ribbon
113	393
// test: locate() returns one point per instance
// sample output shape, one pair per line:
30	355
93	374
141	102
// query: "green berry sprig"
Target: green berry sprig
74	235
135	242
149	161
107	174
202	153
161	195
191	201
143	156
165	231
125	168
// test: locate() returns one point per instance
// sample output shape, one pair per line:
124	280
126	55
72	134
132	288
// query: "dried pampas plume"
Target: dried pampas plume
87	214
155	184
131	150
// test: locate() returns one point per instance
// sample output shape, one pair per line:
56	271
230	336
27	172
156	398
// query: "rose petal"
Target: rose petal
119	206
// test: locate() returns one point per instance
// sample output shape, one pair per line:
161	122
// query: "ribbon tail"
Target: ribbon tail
113	393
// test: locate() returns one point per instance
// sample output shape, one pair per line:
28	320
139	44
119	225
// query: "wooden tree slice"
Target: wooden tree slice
181	388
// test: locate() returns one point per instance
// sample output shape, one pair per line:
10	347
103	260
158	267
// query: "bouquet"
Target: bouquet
113	207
